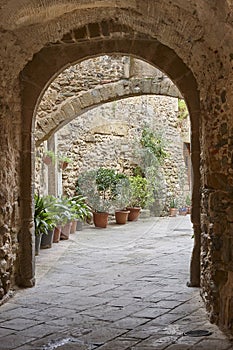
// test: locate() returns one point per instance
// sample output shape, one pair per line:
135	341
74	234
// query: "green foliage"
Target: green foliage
60	209
43	219
173	203
122	198
63	158
67	211
60	157
99	187
183	110
106	180
137	171
80	208
153	143
51	155
138	191
188	200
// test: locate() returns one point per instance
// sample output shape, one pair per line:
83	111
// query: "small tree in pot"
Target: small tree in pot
99	187
122	199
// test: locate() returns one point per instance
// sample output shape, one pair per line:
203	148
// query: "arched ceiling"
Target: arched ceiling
186	26
22	13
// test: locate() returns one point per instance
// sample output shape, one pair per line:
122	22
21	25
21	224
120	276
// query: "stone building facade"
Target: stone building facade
191	41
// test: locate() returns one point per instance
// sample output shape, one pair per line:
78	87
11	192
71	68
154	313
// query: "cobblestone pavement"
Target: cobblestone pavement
118	288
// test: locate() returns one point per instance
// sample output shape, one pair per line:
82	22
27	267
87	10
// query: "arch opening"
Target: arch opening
33	85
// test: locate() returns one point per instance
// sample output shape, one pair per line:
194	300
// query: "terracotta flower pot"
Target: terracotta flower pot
121	216
100	219
64	165
47	160
65	230
73	226
188	209
173	212
134	213
57	234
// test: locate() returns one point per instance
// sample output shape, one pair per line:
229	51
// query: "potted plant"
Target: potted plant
81	212
43	221
188	204
138	196
63	161
173	207
55	208
66	217
49	157
183	210
121	200
99	188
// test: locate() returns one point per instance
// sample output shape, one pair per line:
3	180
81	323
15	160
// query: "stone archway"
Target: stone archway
57	56
73	107
83	87
178	37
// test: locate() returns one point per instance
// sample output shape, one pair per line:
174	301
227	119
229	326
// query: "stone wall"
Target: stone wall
38	40
10	200
94	82
108	136
83	77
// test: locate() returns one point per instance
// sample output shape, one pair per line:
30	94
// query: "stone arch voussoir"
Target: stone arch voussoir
75	106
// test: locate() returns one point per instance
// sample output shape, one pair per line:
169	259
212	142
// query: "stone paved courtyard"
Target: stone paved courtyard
118	288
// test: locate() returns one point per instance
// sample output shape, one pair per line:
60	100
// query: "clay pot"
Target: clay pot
173	212
121	216
47	160
188	209
64	165
73	226
65	231
134	213
100	219
57	234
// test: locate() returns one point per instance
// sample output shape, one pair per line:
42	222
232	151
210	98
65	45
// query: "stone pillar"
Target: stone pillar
52	168
26	236
217	204
195	215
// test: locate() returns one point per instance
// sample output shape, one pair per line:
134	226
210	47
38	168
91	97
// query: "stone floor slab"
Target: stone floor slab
123	287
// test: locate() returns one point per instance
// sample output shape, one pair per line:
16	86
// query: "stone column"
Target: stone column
217	203
52	168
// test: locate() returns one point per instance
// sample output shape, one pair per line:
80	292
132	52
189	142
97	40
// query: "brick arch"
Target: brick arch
104	38
73	107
